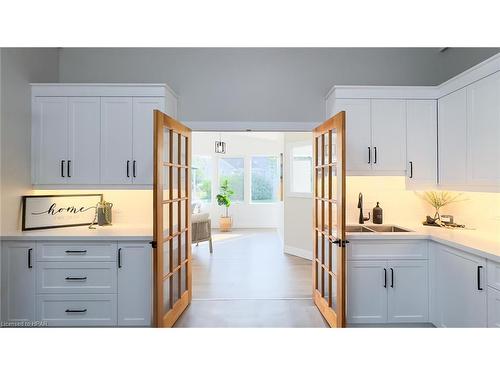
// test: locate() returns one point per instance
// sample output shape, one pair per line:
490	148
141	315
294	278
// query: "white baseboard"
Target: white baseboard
302	253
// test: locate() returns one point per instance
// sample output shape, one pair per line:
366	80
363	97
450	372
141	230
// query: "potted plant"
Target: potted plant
439	199
224	199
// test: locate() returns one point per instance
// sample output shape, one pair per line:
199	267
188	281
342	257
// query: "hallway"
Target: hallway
249	282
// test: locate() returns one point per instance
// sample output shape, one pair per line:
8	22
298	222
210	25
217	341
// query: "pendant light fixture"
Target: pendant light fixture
220	147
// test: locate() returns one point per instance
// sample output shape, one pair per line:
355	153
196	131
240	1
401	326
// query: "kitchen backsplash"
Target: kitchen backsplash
479	210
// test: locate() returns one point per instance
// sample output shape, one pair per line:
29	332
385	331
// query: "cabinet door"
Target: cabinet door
18	281
50	135
389	136
461	289
134	284
358	133
483	132
493	308
366	292
408	291
452	138
84	138
116	140
421	143
142	168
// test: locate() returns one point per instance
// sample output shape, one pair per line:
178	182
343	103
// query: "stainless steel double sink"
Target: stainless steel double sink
375	229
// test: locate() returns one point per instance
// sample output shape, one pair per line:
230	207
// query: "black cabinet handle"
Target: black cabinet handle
479	287
120	257
385	277
392	278
30	264
76	310
76	251
69	168
134	168
375	161
411	169
73	278
62	168
128	168
369	155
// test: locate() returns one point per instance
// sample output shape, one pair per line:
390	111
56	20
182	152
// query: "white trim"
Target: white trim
100	89
471	75
238	126
301	253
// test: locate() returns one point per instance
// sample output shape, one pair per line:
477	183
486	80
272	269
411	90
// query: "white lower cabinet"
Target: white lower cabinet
85	283
460	288
408	296
387	290
366	292
134	284
493	307
18	282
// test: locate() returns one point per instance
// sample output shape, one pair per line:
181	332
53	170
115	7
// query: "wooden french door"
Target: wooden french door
172	219
329	220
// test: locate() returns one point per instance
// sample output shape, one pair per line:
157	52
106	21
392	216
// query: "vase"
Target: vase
225	223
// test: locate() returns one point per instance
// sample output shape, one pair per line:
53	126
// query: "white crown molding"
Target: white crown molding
238	126
471	75
100	89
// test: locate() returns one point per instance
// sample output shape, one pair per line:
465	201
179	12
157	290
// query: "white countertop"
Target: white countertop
104	233
484	244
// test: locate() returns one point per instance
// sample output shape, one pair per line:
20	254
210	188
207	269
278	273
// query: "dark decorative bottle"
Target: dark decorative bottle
377	214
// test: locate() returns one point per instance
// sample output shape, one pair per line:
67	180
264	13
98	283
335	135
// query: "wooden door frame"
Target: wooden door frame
336	122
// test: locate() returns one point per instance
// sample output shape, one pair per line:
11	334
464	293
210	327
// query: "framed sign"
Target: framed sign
56	211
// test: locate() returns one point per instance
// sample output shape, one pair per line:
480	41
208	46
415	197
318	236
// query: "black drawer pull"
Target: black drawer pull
375	161
69	168
82	278
76	251
411	169
369	155
120	257
62	168
76	310
30	264
479	287
385	277
134	169
392	278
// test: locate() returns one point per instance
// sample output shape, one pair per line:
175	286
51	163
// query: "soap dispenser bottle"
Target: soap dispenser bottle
377	214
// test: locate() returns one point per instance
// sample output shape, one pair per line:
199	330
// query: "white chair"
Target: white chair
201	229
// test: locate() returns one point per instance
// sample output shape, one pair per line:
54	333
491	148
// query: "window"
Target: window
301	162
265	179
202	179
233	169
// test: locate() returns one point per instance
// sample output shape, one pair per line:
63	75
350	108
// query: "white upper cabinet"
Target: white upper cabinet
116	140
84	133
483	132
389	136
421	143
50	140
452	136
375	136
358	133
95	134
142	164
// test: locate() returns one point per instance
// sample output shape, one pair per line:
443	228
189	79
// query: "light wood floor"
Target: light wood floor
249	282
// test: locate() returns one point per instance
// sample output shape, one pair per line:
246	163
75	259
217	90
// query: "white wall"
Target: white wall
245	214
264	84
20	67
297	210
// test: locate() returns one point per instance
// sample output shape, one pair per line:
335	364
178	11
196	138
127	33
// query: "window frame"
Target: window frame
212	195
251	201
289	159
218	159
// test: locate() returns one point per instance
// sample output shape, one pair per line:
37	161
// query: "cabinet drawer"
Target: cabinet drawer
493	274
77	310
76	251
380	249
76	277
